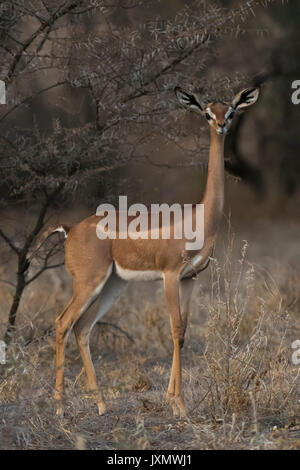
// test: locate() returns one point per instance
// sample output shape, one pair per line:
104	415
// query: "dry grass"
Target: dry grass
241	389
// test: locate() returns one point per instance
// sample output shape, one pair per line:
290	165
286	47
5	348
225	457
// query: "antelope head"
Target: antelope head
218	114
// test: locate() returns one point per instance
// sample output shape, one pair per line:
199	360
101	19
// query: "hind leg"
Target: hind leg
82	329
85	293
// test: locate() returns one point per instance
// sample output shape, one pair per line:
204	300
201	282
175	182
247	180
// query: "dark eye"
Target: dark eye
208	117
231	115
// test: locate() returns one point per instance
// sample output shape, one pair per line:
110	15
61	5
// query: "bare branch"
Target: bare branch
9	242
60	12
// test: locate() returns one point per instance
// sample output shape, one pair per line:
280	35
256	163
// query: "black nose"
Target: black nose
222	125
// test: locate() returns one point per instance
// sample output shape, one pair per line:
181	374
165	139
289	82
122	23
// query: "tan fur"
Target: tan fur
90	260
219	109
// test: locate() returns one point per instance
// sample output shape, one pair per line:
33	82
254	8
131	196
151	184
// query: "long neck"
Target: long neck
213	198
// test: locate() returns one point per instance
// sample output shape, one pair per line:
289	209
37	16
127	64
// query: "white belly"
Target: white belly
132	275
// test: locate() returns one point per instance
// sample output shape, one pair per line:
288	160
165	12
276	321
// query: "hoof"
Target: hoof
59	407
177	406
59	410
101	407
96	397
182	410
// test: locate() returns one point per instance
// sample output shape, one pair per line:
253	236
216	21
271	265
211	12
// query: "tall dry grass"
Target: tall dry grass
241	388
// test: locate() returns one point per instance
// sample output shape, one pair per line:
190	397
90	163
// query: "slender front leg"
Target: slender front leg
174	394
186	288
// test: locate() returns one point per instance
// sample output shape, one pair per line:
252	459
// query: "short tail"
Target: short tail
58	228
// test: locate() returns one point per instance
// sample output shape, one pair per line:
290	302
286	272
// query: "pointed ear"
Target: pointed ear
187	99
245	98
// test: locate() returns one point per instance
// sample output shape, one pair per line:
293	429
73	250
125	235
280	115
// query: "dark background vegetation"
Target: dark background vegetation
91	114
